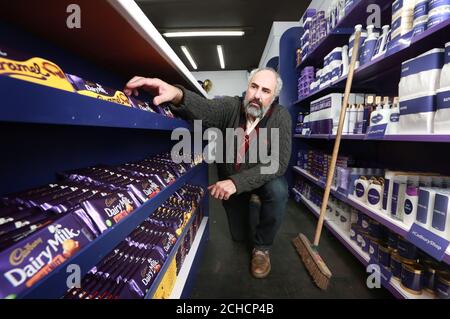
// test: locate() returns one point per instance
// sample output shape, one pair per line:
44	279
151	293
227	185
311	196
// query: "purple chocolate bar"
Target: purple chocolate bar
30	260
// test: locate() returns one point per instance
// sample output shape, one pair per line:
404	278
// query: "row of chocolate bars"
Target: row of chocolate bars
42	227
129	271
20	65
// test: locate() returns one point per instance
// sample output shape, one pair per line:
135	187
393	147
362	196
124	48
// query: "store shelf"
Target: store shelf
195	253
393	286
331	88
431	38
357	14
171	256
54	284
115	34
26	102
432	138
394	225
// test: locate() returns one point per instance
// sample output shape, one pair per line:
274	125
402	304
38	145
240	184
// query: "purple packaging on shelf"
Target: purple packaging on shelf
109	210
22	222
419	28
384	256
164	109
396	266
412	278
30	260
144	190
98	91
406	249
84	219
373	248
142	278
433	4
436	19
138	104
442	285
12	214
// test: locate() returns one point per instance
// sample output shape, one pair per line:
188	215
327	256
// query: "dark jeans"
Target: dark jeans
260	223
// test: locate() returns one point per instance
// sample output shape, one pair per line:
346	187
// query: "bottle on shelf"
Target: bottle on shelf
369	45
381	43
345	58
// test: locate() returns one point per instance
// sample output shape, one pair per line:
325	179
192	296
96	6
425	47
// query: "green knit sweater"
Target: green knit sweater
225	113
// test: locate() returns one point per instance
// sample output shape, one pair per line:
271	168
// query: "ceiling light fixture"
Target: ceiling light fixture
189	57
217	33
221	59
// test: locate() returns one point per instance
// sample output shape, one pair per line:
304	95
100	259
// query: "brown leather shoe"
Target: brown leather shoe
260	266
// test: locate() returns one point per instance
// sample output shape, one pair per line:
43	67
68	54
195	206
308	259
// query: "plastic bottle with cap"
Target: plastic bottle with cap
359	119
386	110
375	116
368	109
358	27
381	42
352	119
394	117
369	45
344	71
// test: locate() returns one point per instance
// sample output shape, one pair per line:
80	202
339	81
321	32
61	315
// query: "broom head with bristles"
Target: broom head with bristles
316	267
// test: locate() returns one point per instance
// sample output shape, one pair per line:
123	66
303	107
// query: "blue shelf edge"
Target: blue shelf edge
150	293
26	102
362	209
53	286
355	253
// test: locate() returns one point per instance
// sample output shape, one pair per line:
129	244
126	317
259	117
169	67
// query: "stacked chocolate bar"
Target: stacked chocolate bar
131	268
40	228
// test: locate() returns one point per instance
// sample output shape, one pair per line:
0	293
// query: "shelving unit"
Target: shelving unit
394	225
341	31
365	77
393	286
379	76
183	285
150	294
46	105
51	130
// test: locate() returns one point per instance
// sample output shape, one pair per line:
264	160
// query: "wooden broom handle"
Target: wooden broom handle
337	143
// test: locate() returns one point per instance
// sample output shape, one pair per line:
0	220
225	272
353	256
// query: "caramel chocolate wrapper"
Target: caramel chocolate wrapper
33	69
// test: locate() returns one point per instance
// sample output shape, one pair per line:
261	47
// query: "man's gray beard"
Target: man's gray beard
253	111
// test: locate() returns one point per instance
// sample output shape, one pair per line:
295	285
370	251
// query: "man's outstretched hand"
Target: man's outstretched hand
222	189
163	91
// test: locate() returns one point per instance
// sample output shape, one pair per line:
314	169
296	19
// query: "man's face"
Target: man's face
260	93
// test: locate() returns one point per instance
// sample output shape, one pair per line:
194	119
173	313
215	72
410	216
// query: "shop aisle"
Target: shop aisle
224	270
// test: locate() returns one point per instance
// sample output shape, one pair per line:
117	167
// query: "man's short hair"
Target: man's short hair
279	85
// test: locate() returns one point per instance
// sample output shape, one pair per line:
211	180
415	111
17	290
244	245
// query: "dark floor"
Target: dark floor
224	271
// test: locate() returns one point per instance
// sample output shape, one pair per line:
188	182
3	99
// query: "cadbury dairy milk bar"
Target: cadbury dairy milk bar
30	260
109	210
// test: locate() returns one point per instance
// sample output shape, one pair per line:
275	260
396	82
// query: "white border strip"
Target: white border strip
188	261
